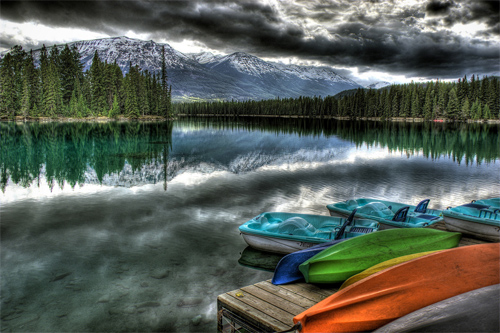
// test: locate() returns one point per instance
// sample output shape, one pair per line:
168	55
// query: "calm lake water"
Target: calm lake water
134	226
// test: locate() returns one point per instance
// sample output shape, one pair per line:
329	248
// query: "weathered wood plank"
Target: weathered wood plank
251	314
308	291
293	297
274	299
272	311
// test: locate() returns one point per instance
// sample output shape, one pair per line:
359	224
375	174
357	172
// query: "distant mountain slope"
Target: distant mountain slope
238	76
378	85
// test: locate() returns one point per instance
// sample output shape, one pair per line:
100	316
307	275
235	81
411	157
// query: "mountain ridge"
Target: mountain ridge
236	76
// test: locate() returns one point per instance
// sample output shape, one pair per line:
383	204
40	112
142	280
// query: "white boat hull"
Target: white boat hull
478	230
276	245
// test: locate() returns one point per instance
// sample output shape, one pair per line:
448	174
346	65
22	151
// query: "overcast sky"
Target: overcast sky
367	41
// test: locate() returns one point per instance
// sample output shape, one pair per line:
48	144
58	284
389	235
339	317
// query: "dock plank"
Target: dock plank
250	313
286	294
276	313
274	300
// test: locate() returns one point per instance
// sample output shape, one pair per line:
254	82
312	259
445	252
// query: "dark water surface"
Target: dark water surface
134	226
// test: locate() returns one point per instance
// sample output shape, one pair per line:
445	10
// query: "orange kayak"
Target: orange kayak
404	288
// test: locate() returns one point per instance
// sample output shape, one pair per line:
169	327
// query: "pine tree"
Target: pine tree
115	109
453	107
465	111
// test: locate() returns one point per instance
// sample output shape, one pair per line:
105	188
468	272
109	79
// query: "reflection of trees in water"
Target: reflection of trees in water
68	150
64	152
472	142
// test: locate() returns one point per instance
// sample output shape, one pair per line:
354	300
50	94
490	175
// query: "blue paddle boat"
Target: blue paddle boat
388	213
289	232
480	219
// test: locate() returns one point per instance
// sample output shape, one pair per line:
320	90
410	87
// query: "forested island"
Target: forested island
55	86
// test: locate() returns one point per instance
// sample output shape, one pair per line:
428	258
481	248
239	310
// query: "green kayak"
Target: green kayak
343	260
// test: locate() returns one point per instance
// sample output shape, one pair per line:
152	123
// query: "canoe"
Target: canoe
475	311
341	261
390	214
287	270
289	232
260	260
397	291
383	265
480	219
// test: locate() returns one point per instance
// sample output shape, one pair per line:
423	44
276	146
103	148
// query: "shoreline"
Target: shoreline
158	118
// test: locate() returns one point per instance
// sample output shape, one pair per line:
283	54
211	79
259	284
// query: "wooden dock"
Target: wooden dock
264	307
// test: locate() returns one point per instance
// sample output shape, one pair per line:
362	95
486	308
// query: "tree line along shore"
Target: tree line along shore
56	87
474	99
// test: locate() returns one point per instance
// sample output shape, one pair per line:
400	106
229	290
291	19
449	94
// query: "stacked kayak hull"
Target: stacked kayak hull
475	311
287	270
389	214
480	219
397	291
341	261
383	265
289	232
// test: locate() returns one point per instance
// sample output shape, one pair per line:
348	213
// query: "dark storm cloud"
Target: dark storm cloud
438	7
376	35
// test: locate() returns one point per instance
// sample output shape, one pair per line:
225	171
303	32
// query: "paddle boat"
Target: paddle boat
402	289
289	232
475	311
480	219
390	214
341	261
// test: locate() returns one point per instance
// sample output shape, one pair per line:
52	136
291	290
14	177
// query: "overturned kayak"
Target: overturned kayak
379	267
390	214
480	219
475	311
341	261
289	232
397	291
287	270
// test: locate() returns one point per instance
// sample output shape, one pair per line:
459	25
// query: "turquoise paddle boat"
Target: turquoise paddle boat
389	214
289	232
480	219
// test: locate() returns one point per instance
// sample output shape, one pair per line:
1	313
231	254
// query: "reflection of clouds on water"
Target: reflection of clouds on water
107	258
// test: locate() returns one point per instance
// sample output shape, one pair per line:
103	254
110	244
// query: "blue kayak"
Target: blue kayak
388	213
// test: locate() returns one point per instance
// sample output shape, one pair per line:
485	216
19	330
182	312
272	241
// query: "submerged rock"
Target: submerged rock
196	320
60	277
189	302
160	274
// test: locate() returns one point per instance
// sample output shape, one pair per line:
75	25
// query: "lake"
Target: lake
134	226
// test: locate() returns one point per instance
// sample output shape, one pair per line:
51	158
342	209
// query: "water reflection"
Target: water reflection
129	154
97	255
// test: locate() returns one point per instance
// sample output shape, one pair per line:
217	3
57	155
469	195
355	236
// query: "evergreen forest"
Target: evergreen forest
56	86
474	99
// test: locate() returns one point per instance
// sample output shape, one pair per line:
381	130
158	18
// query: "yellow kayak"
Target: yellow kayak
381	266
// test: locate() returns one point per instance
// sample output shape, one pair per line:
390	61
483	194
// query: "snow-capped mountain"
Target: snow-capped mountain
378	85
238	76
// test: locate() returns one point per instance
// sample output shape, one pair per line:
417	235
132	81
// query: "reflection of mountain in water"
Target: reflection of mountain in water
130	154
